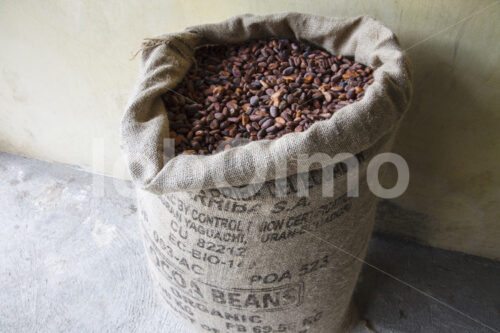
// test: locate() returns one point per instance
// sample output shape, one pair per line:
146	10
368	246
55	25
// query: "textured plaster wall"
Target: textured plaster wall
66	74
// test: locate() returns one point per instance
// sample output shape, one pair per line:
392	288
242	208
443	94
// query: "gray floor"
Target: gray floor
71	261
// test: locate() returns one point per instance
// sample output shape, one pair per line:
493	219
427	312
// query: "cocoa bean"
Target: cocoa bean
259	90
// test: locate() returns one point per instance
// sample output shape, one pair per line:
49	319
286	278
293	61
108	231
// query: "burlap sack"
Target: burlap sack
262	258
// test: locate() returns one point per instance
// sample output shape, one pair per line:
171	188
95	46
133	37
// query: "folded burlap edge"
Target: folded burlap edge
352	129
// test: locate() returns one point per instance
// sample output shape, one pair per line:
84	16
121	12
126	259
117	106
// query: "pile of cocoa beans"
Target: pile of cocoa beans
259	90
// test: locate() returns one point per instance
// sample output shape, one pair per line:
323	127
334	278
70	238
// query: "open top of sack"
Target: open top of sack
352	129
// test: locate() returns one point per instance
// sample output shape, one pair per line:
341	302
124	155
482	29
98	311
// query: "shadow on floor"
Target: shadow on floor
462	292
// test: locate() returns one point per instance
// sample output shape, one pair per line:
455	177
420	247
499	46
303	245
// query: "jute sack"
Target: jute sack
247	240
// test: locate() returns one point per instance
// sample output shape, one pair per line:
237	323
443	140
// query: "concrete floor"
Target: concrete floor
71	260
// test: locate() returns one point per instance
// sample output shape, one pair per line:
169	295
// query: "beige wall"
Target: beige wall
66	74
